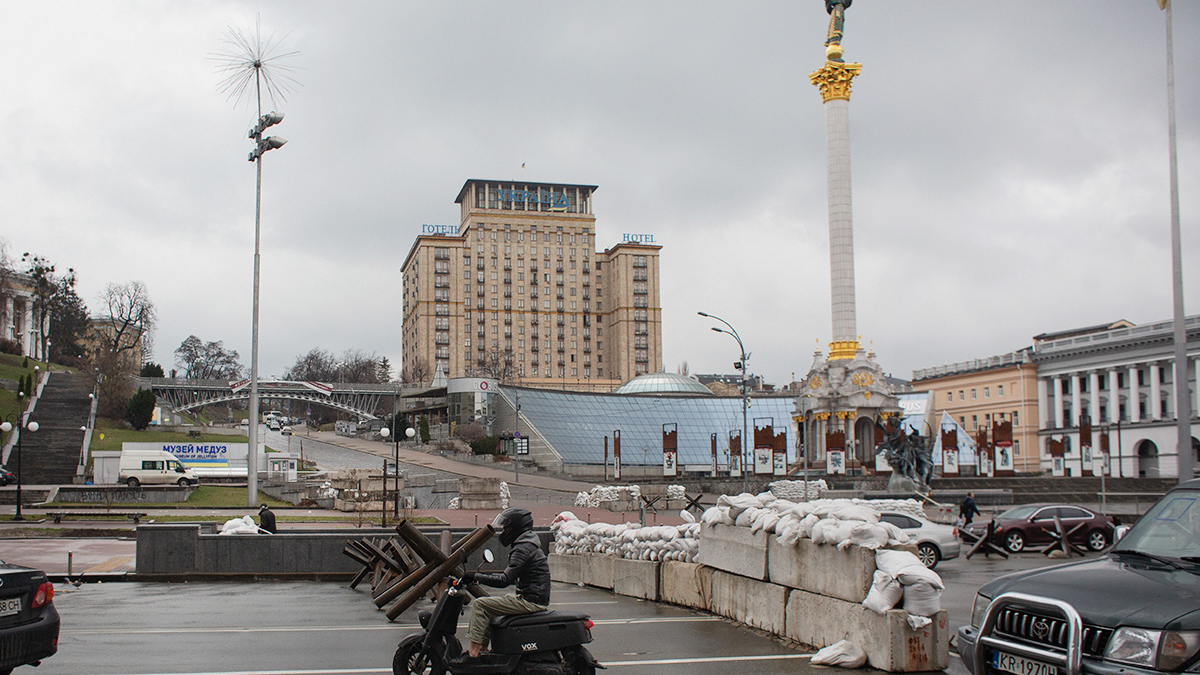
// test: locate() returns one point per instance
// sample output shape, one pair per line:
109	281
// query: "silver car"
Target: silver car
935	542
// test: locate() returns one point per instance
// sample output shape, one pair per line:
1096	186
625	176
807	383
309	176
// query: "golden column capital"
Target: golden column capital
833	80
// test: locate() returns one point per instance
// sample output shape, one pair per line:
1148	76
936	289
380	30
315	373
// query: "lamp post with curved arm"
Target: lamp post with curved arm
6	427
740	365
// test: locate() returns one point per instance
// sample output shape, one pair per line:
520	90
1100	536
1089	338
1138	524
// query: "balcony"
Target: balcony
639	264
479	292
533	321
508	293
586	283
480	333
533	294
559	295
561	321
479	265
481	320
587	296
559	269
535	348
533	269
480	305
508	321
507	267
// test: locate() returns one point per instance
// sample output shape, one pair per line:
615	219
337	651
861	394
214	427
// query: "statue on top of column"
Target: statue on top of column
837	17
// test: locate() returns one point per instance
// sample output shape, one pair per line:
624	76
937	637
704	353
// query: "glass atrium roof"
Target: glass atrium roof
663	383
576	423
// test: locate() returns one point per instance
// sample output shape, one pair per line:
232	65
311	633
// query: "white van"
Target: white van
153	467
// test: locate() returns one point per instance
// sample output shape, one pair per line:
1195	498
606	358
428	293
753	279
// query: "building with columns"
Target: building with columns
18	321
1121	378
518	292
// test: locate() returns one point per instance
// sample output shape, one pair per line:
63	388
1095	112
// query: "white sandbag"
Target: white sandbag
922	598
739	503
845	654
687	516
852	511
885	593
806	525
918	622
906	568
866	535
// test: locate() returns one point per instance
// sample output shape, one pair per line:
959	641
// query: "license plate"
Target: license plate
10	606
1011	663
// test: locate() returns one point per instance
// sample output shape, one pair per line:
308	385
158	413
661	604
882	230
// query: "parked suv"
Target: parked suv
28	620
1134	610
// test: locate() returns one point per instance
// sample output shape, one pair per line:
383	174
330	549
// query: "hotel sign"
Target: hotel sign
553	202
439	229
637	238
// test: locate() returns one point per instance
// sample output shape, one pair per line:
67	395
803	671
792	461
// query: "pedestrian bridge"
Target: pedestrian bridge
356	398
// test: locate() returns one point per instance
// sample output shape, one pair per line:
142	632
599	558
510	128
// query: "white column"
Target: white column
1058	401
27	337
1043	394
841	227
1135	396
1076	400
1155	392
1114	397
1094	397
6	321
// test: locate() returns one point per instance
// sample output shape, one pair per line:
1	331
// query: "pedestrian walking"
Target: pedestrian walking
967	510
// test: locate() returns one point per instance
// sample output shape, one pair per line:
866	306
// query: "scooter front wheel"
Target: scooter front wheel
412	658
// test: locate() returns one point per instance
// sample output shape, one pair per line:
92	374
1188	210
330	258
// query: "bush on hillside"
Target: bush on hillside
140	410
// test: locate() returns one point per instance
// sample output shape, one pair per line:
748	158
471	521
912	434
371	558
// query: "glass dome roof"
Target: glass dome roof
663	383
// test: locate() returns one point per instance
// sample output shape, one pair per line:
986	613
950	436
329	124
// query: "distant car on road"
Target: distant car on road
286	431
1029	524
935	542
6	477
273	425
28	620
244	423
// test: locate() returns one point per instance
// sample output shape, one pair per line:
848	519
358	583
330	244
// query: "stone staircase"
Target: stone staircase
50	455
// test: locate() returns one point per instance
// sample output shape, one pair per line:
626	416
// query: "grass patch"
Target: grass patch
116	433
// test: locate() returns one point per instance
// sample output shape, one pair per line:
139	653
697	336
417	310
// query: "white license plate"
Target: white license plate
1011	663
10	606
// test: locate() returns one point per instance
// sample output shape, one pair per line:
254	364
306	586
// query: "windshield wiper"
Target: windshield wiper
1157	558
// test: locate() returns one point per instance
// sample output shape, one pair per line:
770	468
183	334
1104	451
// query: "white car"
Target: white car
935	542
286	431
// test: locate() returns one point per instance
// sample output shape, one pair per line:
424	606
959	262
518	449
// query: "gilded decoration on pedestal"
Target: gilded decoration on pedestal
833	80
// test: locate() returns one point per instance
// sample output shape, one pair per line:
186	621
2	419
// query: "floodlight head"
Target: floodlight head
32	426
6	427
268	120
410	432
384	432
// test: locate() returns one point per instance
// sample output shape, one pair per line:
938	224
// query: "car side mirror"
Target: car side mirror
1119	532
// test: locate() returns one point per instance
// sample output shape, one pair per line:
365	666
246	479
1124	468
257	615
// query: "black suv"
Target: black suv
1134	610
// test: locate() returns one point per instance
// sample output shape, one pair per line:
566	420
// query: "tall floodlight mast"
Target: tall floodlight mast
253	60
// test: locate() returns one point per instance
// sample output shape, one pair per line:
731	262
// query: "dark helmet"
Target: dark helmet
512	523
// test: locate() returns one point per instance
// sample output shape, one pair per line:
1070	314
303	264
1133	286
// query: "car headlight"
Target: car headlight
1163	650
978	610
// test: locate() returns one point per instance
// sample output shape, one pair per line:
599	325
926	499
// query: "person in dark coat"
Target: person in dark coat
528	568
967	510
266	519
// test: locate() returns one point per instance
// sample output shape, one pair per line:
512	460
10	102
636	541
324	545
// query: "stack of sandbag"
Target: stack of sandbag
676	492
243	525
797	490
838	522
602	494
909	507
900	575
627	540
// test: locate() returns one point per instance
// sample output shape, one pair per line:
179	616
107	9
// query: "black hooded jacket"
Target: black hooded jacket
527	567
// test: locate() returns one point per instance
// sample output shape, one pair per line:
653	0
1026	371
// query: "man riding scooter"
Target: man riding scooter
527	568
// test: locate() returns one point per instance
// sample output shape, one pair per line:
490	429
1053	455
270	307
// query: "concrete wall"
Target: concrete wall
810	593
120	494
193	549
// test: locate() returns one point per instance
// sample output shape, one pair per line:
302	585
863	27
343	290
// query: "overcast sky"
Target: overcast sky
1010	162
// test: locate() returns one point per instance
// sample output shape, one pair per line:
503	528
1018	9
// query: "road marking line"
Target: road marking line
110	564
609	664
334	629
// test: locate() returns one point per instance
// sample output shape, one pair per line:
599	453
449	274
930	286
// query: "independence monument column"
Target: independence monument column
833	80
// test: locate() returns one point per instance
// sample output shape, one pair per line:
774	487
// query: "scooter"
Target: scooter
541	643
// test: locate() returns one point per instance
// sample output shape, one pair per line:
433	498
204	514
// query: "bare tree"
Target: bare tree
497	364
207	360
358	366
133	318
317	365
417	373
683	368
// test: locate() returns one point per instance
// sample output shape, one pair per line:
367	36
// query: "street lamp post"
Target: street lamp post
741	366
6	427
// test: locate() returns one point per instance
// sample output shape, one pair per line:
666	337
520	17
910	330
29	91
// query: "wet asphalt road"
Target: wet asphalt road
327	629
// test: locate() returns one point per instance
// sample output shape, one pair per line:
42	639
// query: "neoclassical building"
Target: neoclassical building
1120	377
18	322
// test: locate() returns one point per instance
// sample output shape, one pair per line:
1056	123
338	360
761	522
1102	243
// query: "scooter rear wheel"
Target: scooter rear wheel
412	659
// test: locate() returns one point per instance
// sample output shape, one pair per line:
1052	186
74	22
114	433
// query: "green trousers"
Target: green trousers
502	605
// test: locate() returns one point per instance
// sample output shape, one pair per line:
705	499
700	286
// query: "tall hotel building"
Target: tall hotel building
518	292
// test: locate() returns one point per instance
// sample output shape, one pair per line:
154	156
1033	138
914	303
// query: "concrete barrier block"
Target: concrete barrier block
636	578
598	571
888	640
566	568
752	602
687	584
821	568
734	549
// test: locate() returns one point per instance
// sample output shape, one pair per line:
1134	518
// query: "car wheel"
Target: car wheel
1097	540
133	482
929	554
1014	541
183	482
